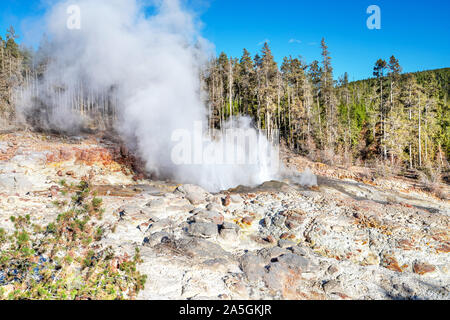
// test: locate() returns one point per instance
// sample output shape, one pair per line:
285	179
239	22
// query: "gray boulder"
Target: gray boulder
201	248
332	286
229	232
195	194
279	221
295	262
160	225
298	250
229	235
253	266
213	206
207	216
272	278
156	238
203	229
270	253
284	243
156	204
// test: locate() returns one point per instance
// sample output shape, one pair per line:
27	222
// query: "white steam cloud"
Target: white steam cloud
306	178
148	66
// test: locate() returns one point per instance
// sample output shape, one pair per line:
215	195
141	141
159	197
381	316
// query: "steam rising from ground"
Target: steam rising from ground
306	178
148	67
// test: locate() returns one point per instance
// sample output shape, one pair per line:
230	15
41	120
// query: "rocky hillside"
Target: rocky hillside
354	236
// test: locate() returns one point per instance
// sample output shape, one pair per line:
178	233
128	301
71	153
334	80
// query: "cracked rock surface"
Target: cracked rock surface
344	239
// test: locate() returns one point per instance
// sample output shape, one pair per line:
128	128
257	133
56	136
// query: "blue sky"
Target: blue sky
416	32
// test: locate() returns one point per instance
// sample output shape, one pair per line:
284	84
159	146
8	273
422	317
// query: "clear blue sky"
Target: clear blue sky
416	32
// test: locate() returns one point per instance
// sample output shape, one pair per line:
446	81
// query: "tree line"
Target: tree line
394	118
13	60
400	120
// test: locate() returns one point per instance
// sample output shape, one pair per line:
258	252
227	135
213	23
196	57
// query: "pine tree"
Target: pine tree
247	76
267	85
314	78
393	115
328	97
378	72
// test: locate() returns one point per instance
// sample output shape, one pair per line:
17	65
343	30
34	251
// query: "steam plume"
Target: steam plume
148	68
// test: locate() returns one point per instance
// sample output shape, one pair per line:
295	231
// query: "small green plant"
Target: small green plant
2	236
65	260
97	203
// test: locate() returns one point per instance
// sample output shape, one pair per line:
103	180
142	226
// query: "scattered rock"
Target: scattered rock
291	225
135	213
160	225
201	248
332	270
195	194
332	286
274	276
296	262
125	233
236	198
138	177
282	243
156	204
212	206
266	222
226	201
156	238
270	253
279	221
286	235
216	199
217	264
202	229
229	232
423	268
258	239
247	220
271	239
54	190
195	198
229	235
298	250
229	225
252	265
207	216
443	248
391	263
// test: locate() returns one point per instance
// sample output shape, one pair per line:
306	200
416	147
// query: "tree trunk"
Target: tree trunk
420	136
230	84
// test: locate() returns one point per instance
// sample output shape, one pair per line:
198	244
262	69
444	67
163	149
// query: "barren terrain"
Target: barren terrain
351	237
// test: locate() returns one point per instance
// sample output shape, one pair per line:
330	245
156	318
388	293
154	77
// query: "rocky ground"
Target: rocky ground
351	237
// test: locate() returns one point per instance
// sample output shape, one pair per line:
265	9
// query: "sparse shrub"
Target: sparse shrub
96	203
381	169
431	179
65	260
